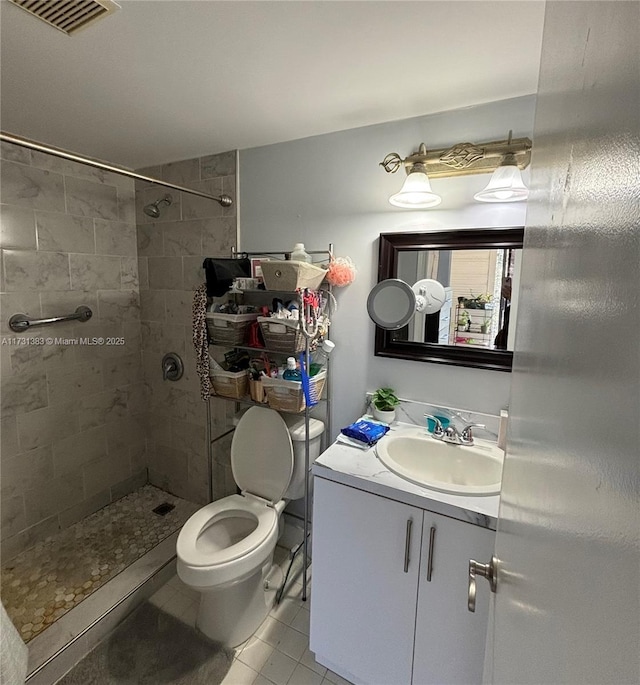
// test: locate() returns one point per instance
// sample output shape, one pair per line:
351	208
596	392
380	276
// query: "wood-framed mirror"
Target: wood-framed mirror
480	271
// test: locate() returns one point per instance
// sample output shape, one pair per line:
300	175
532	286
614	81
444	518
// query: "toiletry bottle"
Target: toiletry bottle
299	255
291	373
320	357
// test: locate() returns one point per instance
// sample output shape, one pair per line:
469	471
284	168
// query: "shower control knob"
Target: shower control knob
172	367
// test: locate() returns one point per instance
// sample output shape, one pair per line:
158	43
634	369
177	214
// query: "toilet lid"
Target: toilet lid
262	454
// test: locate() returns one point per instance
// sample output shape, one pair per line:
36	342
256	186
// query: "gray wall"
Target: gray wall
171	250
331	188
72	435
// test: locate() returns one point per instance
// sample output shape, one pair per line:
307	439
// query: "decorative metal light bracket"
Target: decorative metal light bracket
462	158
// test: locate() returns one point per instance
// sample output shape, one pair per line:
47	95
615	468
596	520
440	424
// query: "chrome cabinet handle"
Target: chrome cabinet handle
407	545
432	539
488	571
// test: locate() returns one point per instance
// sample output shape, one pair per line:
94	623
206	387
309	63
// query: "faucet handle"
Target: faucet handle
466	436
438	431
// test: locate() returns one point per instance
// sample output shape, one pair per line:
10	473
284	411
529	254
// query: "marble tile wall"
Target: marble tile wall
171	250
73	435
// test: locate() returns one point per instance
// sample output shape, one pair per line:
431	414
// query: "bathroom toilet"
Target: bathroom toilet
225	550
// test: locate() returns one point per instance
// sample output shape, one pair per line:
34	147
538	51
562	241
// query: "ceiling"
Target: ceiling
163	80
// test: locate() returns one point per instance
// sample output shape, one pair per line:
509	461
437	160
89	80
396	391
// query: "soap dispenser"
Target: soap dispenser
298	254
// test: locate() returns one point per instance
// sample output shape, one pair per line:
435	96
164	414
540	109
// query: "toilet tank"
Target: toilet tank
296	427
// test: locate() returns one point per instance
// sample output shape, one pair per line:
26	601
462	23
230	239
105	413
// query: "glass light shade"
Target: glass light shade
505	185
416	192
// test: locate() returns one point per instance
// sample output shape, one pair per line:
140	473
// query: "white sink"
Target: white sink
416	456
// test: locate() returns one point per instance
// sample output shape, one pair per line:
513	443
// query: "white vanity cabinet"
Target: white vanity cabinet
450	640
376	619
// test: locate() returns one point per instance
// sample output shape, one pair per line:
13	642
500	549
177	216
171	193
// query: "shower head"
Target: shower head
152	209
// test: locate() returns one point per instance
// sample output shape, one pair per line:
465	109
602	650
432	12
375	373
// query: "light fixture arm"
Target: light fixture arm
463	158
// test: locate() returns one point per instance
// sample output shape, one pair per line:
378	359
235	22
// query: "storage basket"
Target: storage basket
229	329
230	384
281	335
288	275
288	395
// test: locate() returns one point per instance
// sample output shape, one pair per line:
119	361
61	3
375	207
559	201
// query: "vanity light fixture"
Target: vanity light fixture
505	158
505	184
416	191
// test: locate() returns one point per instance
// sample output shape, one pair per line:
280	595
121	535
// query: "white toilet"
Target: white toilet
225	550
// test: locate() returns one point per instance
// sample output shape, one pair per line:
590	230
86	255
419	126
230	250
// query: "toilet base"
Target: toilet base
232	613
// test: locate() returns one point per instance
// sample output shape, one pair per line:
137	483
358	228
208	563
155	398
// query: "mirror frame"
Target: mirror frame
391	244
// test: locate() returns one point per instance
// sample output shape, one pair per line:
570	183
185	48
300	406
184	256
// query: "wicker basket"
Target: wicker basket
281	275
281	335
230	384
288	395
229	329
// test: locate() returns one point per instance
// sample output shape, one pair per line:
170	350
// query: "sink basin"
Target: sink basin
417	456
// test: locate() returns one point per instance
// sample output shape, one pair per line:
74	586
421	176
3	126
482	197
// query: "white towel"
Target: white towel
13	652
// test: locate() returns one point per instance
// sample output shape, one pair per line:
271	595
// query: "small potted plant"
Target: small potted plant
463	320
383	405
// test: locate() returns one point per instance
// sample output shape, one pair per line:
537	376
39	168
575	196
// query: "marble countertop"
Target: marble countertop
362	469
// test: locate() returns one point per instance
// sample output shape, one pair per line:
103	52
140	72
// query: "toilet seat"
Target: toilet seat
235	506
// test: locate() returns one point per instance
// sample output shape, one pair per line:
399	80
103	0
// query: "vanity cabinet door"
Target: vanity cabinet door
363	601
450	640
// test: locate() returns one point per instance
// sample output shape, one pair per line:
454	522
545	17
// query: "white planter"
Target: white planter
384	416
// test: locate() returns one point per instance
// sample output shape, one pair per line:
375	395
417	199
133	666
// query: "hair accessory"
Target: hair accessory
342	271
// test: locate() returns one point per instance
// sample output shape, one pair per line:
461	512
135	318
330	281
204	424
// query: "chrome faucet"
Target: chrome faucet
451	435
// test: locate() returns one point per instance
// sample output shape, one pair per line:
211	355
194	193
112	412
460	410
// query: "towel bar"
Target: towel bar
21	322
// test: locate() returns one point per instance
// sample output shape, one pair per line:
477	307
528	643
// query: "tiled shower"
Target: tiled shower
86	425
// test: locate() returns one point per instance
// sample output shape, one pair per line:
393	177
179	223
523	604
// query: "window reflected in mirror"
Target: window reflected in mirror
479	286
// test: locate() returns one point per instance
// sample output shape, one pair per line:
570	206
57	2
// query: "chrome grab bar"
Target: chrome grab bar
21	322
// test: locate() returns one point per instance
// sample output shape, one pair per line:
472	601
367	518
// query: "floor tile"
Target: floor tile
304	676
293	644
278	668
161	596
286	611
271	631
309	660
177	604
240	674
261	680
183	589
255	653
190	614
302	621
335	678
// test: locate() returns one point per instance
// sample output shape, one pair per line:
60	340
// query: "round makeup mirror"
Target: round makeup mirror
391	304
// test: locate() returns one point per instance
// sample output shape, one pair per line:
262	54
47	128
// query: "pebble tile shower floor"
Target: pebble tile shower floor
45	582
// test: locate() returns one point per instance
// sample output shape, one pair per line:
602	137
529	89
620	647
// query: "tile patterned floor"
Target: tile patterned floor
45	582
278	653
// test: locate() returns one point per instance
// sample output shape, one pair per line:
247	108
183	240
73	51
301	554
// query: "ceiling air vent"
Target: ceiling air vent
68	16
